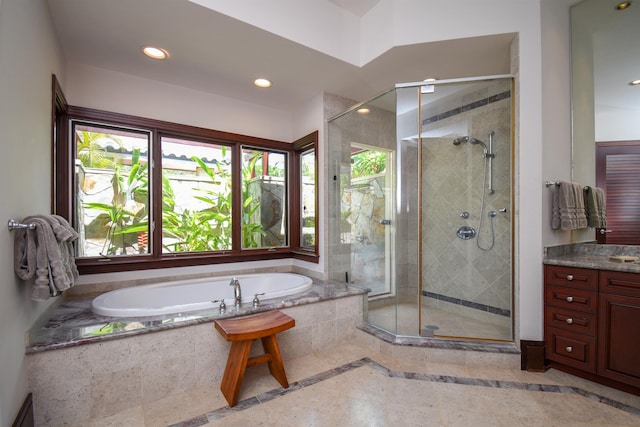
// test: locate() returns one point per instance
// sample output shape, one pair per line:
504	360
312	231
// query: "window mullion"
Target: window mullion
155	194
236	198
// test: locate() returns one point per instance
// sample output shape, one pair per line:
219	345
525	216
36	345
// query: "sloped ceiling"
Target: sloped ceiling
215	53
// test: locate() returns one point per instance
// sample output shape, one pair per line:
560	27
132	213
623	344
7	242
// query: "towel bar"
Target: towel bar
15	225
550	183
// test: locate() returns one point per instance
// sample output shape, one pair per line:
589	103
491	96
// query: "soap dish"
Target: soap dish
623	258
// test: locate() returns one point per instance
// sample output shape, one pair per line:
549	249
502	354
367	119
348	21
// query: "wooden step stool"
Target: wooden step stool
241	332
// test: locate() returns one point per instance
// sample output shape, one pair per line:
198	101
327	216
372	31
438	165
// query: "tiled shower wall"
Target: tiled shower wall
455	269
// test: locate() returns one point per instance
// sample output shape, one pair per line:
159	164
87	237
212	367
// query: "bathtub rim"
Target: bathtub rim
121	312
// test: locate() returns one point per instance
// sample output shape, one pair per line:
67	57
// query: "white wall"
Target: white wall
29	54
123	93
556	121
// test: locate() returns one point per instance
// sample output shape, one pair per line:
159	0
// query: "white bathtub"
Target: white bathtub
198	294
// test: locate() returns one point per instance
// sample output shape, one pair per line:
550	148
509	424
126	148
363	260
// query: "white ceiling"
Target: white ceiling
357	7
214	53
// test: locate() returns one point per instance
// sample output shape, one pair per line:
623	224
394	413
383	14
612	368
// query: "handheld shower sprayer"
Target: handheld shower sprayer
488	157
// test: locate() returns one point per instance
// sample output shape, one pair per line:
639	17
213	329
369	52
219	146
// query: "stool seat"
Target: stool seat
254	326
241	332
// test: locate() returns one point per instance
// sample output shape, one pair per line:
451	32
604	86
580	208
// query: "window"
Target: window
196	196
264	198
111	209
150	194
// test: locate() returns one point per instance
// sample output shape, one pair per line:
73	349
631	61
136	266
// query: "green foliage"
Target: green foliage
367	163
126	216
208	229
90	153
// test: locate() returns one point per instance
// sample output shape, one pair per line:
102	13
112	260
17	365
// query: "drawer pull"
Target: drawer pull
569	349
569	277
570	320
569	299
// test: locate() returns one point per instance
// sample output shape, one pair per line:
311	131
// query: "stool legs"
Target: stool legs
234	371
239	361
276	367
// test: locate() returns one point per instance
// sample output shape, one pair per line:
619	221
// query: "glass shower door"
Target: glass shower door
368	208
465	210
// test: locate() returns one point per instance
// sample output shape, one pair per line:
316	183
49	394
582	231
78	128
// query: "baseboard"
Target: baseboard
532	356
25	415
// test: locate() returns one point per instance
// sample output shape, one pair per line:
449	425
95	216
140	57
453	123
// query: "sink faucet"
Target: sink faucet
237	292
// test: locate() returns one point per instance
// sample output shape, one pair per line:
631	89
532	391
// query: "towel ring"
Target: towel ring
15	225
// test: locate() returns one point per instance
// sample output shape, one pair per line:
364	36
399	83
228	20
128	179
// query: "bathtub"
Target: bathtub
197	294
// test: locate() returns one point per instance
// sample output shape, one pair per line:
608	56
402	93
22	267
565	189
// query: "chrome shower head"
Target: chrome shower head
460	140
474	141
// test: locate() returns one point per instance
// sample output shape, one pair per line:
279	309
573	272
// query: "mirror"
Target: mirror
605	106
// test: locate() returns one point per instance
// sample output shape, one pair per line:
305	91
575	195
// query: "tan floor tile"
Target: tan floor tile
365	396
182	406
358	413
132	417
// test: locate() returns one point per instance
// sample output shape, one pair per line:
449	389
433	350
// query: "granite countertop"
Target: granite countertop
591	255
73	323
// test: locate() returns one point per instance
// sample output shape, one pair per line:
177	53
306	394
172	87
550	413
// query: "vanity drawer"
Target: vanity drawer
572	299
615	282
571	320
571	349
583	278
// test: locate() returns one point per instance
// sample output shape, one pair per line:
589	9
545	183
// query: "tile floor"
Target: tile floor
351	385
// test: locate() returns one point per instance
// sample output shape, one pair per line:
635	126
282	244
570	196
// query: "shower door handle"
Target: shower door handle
385	221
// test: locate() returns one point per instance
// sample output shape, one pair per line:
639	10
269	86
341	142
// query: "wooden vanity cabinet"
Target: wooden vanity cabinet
619	334
592	323
571	304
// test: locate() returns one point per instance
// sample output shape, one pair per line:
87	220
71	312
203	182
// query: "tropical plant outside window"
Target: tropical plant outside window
113	208
264	198
145	193
112	190
367	163
308	208
196	196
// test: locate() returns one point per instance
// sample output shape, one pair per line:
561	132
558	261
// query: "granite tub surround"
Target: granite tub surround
82	366
592	255
73	323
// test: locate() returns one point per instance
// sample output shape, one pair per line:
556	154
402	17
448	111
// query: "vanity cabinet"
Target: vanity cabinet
592	322
619	335
571	304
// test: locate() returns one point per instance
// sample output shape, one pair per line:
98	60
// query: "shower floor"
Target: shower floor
438	320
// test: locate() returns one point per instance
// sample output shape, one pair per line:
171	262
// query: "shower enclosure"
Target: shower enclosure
420	207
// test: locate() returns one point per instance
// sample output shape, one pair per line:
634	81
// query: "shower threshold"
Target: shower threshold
507	347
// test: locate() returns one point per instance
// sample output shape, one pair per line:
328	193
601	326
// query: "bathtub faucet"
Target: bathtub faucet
237	292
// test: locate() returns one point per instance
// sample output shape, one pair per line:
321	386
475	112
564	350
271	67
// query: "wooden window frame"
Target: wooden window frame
63	195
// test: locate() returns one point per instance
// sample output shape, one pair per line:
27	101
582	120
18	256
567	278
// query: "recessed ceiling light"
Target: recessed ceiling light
155	52
262	82
624	5
430	79
634	83
363	110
